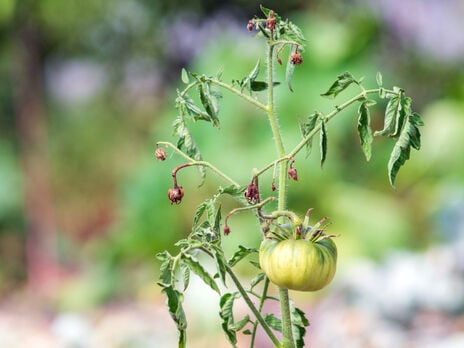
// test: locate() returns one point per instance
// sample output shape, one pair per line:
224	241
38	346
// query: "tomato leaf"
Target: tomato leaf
323	142
378	78
341	83
210	99
240	254
233	190
290	68
409	137
392	115
184	76
273	321
187	144
226	313
198	214
220	263
258	86
364	129
198	269
166	277
307	127
174	303
239	325
256	280
186	276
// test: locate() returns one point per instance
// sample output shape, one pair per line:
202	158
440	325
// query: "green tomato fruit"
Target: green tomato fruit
299	264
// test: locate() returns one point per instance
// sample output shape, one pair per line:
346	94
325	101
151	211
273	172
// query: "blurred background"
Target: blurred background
88	87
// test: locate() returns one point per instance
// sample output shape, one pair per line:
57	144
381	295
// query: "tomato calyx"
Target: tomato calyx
296	229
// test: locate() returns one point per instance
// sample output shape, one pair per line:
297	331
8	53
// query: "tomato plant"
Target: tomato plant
293	256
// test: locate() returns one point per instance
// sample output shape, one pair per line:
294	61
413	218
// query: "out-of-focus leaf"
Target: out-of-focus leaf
378	78
258	86
184	76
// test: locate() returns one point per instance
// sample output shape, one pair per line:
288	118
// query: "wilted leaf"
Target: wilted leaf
364	129
307	128
392	115
226	313
341	83
323	142
240	254
198	269
409	137
174	303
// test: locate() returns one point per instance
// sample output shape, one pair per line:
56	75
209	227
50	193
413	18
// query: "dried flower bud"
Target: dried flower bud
250	26
273	187
160	154
295	58
226	230
252	193
175	194
279	60
271	22
292	173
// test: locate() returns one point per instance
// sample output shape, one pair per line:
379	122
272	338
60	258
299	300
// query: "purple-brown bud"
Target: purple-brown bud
292	173
279	60
175	194
273	187
250	26
226	230
160	154
295	58
252	193
271	21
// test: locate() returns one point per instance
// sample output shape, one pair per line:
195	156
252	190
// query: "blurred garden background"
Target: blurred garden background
87	88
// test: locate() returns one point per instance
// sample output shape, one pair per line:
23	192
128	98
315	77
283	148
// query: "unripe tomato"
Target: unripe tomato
299	264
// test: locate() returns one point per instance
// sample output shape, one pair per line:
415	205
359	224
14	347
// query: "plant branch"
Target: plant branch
252	307
338	108
244	96
193	162
260	308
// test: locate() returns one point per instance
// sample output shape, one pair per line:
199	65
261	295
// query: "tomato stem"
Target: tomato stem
287	341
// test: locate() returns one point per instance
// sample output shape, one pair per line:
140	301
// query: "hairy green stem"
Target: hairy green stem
287	334
244	96
252	307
